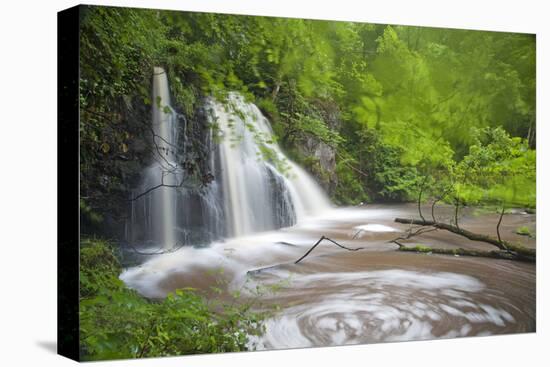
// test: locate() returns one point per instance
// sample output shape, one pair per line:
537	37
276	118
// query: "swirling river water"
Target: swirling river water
336	297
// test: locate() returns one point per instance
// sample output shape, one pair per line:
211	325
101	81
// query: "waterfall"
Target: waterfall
259	193
159	207
255	188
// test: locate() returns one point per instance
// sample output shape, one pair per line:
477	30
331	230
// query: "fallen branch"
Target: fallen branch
328	239
464	252
502	245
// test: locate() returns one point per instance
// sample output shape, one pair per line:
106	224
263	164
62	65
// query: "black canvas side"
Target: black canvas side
68	183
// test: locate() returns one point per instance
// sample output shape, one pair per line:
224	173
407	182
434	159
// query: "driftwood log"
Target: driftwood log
508	250
498	254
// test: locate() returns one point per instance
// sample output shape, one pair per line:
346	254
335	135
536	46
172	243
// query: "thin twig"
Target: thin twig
328	239
500	221
420	196
357	233
445	193
411	233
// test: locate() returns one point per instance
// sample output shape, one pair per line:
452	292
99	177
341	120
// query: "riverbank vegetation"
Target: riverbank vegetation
116	322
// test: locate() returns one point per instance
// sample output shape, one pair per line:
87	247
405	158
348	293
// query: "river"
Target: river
376	294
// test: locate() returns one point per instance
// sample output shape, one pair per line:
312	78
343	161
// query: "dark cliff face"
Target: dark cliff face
198	201
111	172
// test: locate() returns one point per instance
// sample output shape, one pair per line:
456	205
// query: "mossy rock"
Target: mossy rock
524	231
418	248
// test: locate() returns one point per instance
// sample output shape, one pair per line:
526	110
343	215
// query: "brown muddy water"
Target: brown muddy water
336	297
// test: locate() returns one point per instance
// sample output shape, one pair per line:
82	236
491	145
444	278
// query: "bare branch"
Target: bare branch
357	233
445	193
457	206
411	232
420	196
162	184
500	221
328	239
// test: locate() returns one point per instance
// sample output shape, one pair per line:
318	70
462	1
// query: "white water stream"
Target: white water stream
257	195
256	187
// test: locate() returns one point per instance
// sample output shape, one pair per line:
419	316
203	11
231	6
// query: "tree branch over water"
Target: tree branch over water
516	251
330	240
161	184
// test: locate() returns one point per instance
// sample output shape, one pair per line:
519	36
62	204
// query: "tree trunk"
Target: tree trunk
275	90
498	224
420	197
467	252
503	245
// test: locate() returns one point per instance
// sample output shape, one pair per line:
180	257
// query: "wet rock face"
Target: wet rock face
108	181
106	177
324	153
320	162
321	158
327	157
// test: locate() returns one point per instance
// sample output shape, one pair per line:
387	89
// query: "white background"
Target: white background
28	182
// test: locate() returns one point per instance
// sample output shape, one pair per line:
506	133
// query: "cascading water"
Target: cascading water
262	189
159	205
255	187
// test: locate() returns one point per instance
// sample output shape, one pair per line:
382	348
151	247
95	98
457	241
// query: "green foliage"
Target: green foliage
524	231
99	268
388	176
421	91
116	322
314	126
498	169
349	190
115	52
431	94
89	214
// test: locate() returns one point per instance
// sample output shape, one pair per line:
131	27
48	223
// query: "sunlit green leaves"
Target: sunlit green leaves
421	89
498	169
